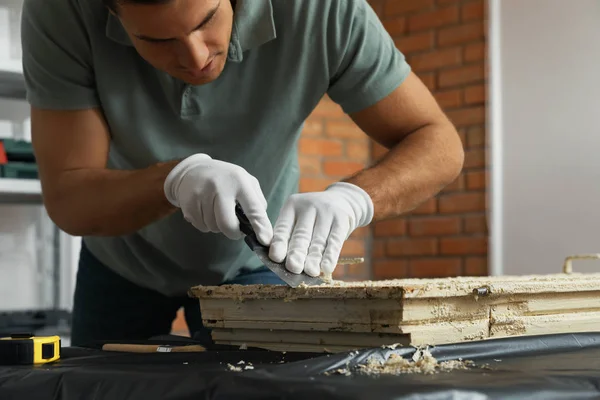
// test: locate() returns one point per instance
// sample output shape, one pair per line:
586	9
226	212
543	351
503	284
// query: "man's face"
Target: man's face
188	39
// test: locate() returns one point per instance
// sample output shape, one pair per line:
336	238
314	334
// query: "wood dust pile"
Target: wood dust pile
422	362
241	368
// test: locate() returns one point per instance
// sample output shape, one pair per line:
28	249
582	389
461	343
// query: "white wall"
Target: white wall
19	286
545	128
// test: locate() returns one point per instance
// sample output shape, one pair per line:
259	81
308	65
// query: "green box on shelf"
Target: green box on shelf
20	170
17	147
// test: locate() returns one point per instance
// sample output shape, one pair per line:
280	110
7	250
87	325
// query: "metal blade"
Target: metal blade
293	280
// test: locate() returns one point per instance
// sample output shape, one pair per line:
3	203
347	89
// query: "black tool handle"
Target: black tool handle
245	225
253	242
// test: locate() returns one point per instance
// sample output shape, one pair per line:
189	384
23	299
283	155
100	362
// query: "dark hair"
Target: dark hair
112	4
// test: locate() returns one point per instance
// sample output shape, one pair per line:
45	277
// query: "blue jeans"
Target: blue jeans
107	307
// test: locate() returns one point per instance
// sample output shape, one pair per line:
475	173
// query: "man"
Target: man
152	118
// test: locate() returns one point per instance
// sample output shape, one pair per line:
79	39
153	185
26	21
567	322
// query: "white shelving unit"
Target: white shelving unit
21	191
38	262
12	66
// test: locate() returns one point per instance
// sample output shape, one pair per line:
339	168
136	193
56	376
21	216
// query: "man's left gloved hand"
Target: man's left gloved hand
312	227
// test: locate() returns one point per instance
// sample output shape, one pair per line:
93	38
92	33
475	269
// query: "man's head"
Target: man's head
189	39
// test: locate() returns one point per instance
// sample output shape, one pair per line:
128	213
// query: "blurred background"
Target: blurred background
518	79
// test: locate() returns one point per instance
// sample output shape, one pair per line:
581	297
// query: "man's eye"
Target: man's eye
214	16
211	19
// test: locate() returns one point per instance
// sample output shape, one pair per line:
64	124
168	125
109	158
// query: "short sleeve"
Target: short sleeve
57	57
367	64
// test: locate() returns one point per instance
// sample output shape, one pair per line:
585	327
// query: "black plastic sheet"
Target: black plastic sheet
539	367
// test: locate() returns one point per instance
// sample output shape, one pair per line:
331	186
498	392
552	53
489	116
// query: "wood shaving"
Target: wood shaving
392	346
339	371
234	368
422	362
244	367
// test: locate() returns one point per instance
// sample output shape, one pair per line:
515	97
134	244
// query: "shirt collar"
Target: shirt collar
253	26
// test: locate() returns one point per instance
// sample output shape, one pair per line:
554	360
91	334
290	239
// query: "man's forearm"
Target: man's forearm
413	171
104	202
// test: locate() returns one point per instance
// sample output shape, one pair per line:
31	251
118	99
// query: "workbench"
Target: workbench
534	367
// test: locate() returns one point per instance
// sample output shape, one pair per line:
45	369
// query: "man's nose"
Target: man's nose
194	52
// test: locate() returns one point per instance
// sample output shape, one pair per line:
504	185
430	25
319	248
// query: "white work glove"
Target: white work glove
312	227
206	190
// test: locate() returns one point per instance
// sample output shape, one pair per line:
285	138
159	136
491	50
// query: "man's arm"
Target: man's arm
81	195
372	82
425	154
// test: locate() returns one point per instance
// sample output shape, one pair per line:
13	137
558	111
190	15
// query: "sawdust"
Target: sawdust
391	346
505	319
234	368
440	310
422	362
327	278
350	260
518	328
476	336
244	366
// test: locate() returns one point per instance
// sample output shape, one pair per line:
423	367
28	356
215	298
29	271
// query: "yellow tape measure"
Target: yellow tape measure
26	349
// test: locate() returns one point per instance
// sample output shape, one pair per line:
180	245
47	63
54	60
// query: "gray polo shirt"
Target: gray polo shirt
284	56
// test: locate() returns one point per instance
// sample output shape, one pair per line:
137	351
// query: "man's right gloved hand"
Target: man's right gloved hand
206	190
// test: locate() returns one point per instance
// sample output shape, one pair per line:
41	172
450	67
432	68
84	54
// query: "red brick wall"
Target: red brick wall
331	148
445	43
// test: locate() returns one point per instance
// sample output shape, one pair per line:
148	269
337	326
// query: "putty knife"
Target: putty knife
293	280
